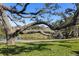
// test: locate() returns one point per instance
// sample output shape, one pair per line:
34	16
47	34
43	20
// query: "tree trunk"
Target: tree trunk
11	41
75	31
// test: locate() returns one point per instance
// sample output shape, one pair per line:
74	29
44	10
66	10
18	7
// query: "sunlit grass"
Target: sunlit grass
34	36
60	48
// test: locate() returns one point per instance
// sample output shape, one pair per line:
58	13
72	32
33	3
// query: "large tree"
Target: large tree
18	15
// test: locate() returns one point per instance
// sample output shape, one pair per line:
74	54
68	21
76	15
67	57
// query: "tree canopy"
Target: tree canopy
18	13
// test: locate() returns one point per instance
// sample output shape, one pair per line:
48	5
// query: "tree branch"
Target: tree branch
16	11
24	8
38	31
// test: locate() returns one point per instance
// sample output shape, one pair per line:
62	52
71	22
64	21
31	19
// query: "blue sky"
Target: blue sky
32	8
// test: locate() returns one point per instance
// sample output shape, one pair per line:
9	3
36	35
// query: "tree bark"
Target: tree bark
75	31
11	41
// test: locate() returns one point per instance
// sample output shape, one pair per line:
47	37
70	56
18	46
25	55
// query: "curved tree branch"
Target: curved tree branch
47	33
24	8
70	23
18	12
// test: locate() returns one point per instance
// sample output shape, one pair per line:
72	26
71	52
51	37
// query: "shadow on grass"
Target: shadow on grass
13	50
68	46
77	53
68	41
64	42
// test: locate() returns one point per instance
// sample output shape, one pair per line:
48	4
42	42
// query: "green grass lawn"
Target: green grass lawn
61	48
